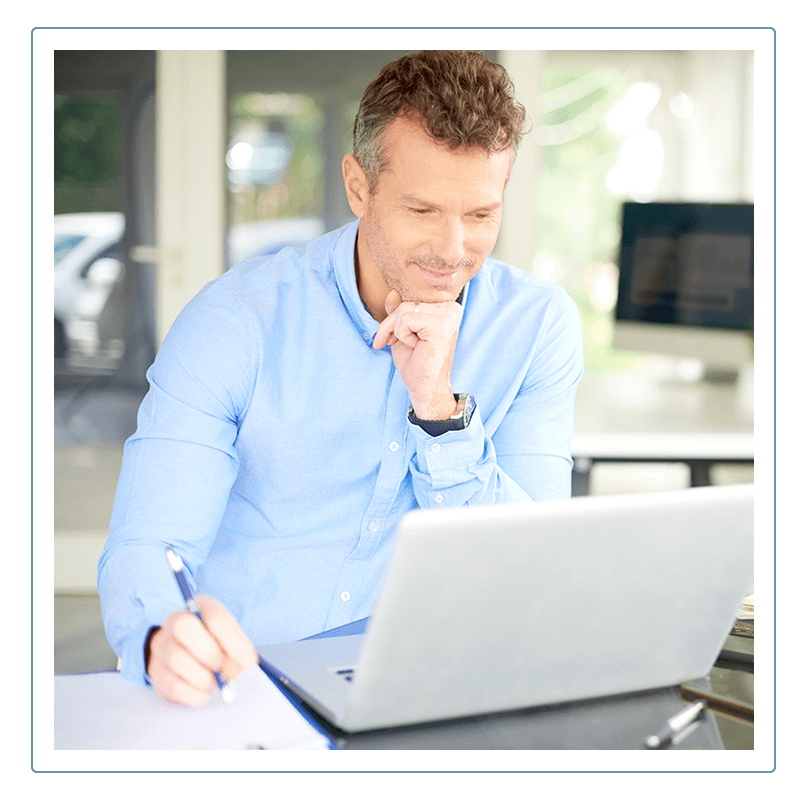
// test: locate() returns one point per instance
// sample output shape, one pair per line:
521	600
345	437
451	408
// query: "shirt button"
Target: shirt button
373	526
436	447
438	498
394	446
345	596
366	336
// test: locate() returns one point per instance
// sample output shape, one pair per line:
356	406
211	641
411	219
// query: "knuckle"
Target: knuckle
185	627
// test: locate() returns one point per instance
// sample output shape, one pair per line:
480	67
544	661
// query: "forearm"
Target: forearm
131	607
463	468
162	499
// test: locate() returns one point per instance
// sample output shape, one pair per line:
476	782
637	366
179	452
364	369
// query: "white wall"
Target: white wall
517	241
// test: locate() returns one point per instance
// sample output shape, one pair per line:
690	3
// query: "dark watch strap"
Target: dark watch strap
458	422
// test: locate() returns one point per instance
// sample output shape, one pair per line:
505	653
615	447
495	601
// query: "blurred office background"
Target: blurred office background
171	166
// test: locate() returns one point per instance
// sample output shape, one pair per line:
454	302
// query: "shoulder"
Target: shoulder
262	275
531	316
499	285
524	313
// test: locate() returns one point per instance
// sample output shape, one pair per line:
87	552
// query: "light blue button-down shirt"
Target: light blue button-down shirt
273	450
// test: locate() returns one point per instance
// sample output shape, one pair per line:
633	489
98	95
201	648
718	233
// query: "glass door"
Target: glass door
102	317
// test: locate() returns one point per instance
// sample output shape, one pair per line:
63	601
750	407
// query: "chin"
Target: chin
429	295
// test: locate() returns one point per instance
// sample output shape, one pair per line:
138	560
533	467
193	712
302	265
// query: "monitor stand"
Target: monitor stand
720	375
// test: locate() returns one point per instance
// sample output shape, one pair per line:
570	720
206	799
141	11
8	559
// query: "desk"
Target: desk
639	418
699	451
618	723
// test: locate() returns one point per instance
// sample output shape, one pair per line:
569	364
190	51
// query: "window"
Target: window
628	126
274	163
88	296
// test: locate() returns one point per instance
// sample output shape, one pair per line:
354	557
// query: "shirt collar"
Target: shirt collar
345	271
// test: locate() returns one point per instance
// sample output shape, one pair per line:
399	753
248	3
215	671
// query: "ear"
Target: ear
355	185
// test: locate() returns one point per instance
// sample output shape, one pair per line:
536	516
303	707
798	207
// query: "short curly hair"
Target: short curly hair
462	99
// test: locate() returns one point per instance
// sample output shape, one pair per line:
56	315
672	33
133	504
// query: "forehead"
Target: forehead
415	158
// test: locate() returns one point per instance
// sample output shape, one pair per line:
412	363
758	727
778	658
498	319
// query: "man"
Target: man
301	404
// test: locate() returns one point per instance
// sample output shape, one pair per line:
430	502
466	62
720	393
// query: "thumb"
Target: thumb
392	301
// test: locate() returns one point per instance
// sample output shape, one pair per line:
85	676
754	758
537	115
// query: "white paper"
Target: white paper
103	711
748	608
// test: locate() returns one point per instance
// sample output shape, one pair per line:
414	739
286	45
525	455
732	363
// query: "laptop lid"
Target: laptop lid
493	608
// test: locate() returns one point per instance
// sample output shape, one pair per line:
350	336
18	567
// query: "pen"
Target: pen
226	687
677	727
282	684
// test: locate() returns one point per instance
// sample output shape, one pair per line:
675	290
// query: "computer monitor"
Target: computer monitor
686	283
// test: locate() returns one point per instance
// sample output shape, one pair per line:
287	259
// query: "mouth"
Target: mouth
439	279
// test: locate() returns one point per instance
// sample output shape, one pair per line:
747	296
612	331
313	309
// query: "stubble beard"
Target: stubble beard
385	256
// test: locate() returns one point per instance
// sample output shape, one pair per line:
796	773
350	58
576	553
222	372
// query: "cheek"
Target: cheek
483	242
408	245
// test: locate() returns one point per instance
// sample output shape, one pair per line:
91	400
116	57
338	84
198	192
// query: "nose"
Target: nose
450	242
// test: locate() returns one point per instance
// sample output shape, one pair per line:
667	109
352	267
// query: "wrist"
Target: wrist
458	420
148	639
435	410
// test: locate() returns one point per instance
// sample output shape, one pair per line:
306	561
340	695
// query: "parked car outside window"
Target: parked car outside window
89	301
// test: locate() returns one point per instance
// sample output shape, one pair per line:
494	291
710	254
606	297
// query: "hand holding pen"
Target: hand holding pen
227	688
192	645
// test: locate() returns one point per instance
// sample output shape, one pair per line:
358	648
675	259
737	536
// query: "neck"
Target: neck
372	287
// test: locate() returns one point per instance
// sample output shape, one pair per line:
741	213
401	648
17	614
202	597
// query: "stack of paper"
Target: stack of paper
103	711
747	609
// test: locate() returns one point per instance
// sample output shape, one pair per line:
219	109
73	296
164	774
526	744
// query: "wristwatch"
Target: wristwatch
458	422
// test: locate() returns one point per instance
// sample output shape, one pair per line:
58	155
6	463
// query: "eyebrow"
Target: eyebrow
409	199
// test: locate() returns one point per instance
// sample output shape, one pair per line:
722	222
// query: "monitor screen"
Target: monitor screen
687	264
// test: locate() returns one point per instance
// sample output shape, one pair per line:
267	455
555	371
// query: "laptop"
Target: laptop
495	608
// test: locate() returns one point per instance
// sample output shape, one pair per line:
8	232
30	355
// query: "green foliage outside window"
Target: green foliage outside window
87	154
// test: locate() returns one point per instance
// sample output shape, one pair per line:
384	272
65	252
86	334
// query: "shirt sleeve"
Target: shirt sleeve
527	457
177	471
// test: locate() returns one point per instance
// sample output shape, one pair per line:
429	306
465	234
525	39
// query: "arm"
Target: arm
521	451
176	475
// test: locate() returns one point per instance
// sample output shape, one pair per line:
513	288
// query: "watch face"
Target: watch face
469	408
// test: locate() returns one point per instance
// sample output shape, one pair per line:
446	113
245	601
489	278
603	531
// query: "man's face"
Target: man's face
434	216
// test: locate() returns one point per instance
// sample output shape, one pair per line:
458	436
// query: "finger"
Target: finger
194	636
407	328
175	674
392	301
238	650
410	321
174	688
427	321
187	669
385	334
